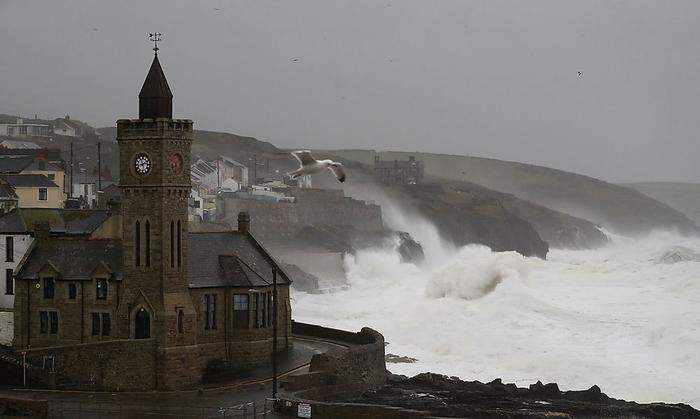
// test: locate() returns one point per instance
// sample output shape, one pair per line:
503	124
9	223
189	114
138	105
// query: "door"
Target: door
142	326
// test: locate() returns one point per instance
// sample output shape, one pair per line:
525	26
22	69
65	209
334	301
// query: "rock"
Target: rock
676	254
396	359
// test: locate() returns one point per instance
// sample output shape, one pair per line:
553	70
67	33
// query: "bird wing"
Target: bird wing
338	172
304	157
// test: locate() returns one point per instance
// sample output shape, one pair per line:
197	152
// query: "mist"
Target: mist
485	78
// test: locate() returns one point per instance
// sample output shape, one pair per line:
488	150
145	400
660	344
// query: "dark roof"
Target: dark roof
29	181
74	258
48	166
155	98
12	222
14	164
229	259
61	221
7	191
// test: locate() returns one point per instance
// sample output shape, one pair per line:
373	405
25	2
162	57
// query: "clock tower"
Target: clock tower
154	163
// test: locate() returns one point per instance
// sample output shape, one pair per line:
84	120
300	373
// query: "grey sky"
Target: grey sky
490	78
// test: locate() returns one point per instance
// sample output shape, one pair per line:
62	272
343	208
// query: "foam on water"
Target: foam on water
611	316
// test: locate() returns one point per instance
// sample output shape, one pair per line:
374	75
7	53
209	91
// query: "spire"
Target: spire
155	99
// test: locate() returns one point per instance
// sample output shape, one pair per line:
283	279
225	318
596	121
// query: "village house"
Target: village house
33	165
35	190
152	306
399	171
22	129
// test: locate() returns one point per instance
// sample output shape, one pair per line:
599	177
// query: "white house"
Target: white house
21	129
19	145
15	240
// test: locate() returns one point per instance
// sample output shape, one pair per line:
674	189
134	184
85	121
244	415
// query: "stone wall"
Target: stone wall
321	410
343	372
314	207
11	407
92	366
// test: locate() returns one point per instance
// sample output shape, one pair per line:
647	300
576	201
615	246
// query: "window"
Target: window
44	322
172	244
137	243
101	324
179	244
9	282
101	289
42	165
269	308
180	321
48	322
42	194
148	243
209	311
23	130
49	288
51	176
254	310
9	249
72	291
263	310
240	311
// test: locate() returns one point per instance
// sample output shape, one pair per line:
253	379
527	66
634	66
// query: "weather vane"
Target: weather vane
155	37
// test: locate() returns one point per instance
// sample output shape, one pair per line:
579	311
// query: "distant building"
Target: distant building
210	176
8	198
17	144
85	188
68	127
21	129
35	191
399	171
29	165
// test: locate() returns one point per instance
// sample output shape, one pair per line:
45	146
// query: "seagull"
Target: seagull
309	165
580	74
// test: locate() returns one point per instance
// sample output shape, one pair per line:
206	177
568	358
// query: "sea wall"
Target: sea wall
342	372
313	207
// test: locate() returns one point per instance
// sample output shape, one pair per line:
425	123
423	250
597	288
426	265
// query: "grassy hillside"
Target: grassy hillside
685	197
615	207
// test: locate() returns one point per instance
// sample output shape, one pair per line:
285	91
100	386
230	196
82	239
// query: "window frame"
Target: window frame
43	194
9	248
72	286
101	293
9	281
49	292
241	310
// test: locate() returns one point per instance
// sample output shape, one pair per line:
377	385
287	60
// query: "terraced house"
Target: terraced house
151	306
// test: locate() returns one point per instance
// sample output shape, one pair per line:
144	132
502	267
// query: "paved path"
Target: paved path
255	388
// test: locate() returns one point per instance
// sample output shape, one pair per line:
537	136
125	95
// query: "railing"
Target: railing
112	410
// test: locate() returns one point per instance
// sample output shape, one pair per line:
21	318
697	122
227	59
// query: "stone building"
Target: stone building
155	307
399	171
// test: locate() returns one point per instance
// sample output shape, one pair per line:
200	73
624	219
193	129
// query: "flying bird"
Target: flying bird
580	74
308	165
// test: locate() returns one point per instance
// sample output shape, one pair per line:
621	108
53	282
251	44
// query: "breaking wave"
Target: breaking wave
613	316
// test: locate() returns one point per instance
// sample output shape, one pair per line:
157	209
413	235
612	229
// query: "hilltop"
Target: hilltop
618	208
685	197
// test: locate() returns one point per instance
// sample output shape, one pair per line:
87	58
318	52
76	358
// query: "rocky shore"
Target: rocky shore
444	396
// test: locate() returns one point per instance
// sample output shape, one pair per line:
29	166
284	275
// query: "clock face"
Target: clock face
176	163
142	164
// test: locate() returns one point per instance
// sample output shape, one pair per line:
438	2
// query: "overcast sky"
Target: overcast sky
488	78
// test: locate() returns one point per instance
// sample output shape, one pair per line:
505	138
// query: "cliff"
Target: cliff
684	197
617	208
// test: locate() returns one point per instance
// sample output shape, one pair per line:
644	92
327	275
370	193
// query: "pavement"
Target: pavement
242	398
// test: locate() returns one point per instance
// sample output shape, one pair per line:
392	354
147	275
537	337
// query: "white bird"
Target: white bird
308	165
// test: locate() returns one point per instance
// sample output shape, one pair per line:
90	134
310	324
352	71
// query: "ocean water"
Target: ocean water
625	317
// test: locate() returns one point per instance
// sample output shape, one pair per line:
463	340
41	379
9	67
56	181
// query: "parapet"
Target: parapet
154	128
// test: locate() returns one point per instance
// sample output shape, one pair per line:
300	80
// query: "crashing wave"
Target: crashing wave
676	254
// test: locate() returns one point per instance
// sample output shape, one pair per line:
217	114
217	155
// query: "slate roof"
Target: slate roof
222	259
61	221
155	85
14	164
7	192
12	222
29	181
75	258
48	166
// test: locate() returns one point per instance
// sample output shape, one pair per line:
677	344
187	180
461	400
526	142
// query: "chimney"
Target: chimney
243	222
42	230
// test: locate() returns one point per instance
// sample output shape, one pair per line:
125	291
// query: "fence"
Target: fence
90	410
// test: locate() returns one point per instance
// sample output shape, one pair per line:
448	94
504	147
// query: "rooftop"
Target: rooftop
28	181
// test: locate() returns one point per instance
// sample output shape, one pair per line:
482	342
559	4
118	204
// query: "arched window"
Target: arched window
137	243
172	244
179	244
148	243
142	324
180	322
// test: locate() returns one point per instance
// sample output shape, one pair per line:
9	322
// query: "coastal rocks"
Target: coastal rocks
396	359
451	397
676	254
